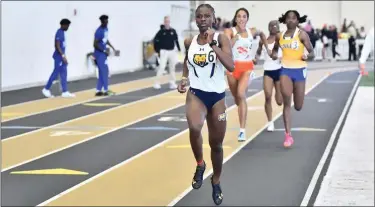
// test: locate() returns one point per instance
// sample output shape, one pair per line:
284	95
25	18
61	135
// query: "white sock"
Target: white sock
242	130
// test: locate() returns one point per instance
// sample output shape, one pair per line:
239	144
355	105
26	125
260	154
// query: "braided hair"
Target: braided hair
300	19
209	7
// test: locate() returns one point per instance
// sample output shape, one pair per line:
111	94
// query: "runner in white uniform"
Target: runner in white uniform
207	55
244	51
271	75
206	73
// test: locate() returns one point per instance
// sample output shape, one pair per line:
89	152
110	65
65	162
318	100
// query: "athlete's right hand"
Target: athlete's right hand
181	88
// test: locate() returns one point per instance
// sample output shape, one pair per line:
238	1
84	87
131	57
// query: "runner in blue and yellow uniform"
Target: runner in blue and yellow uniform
293	72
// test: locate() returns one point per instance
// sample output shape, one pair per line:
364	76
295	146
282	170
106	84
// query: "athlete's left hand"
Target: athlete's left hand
209	34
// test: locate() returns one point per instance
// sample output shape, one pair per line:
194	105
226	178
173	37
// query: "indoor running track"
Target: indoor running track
133	148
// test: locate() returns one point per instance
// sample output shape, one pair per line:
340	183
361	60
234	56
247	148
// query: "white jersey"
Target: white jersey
269	63
206	72
243	47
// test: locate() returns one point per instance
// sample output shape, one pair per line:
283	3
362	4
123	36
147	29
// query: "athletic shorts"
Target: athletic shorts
209	99
241	67
274	74
295	74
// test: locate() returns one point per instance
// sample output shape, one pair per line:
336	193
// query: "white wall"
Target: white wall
27	36
320	12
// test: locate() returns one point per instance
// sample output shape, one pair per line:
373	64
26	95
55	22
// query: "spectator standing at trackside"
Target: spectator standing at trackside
101	54
352	44
61	62
362	36
164	44
314	36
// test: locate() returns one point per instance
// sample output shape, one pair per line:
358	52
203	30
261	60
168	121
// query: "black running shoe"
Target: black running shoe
217	194
99	93
198	176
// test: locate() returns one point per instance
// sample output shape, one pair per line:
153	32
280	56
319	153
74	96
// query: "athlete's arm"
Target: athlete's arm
229	34
185	70
225	53
58	36
305	39
98	36
108	43
261	34
276	47
259	50
175	37
156	41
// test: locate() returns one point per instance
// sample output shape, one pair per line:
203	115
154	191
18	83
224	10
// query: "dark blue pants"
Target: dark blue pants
60	69
101	61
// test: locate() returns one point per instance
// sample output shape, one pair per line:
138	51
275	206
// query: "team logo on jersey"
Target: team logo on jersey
200	60
242	50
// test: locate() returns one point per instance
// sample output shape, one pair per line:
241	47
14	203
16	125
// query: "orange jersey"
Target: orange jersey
293	50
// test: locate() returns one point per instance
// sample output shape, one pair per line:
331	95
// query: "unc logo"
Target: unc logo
200	59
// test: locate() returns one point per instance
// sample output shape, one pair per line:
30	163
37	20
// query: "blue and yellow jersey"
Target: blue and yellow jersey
293	50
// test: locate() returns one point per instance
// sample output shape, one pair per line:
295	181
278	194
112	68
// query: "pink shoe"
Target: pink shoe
288	142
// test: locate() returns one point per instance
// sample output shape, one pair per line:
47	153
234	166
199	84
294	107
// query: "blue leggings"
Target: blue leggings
60	69
101	61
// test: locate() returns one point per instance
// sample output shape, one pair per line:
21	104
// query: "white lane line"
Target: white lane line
183	194
90	138
76	103
160	144
129	160
324	157
86	116
96	136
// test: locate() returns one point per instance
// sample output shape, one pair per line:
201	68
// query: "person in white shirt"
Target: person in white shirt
244	50
368	47
272	68
208	55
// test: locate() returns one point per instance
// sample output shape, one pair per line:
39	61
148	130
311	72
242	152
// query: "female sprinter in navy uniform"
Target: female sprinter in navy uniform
208	54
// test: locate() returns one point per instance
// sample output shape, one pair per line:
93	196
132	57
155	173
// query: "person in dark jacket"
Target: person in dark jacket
165	42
